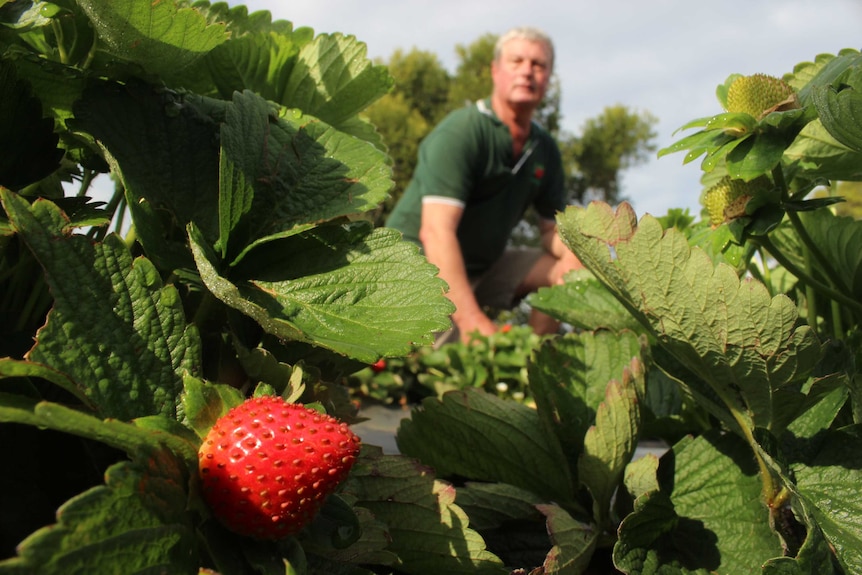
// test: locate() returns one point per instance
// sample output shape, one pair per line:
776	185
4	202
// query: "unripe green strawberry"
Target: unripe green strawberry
759	94
726	200
267	465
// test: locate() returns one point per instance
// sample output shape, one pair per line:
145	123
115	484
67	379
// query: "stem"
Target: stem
800	229
86	179
91	54
111	209
763	275
120	214
805	278
131	236
810	294
58	35
769	490
837	322
830	270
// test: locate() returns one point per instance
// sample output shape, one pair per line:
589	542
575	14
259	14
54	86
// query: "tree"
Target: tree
422	82
617	139
472	78
417	101
402	127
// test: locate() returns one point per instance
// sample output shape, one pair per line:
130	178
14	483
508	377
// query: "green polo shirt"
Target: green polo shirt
467	159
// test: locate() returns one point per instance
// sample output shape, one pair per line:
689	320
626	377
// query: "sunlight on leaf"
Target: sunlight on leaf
161	36
728	332
360	292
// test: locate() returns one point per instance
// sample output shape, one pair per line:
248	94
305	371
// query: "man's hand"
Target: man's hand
473	323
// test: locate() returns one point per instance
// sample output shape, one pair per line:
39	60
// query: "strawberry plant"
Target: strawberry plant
736	338
243	169
495	363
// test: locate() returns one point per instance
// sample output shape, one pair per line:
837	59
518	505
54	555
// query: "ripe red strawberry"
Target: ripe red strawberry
378	365
267	465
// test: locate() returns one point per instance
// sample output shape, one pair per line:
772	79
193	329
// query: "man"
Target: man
478	172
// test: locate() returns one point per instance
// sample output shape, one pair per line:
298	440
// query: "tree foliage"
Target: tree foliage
472	78
610	143
422	81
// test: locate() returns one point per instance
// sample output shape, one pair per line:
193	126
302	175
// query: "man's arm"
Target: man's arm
438	234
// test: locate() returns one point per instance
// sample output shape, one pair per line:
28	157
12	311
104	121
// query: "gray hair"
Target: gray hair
526	33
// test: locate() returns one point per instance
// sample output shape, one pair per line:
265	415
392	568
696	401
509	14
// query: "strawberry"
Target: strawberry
267	465
378	365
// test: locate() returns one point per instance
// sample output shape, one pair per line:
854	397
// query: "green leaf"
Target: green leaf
649	542
684	527
130	438
574	542
568	377
334	80
699	143
721	89
19	368
828	485
840	109
428	532
56	85
23	15
478	436
820	154
717	156
115	329
493	505
822	71
757	155
508	519
584	303
261	365
737	124
325	556
360	292
610	444
728	332
119	527
825	400
204	403
815	556
162	37
259	60
281	171
143	126
832	235
641	475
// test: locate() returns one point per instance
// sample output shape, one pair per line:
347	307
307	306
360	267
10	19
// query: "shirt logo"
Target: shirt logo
540	171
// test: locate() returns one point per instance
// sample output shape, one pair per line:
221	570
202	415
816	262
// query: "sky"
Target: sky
665	57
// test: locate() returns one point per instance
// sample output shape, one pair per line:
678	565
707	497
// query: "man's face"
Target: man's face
522	73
